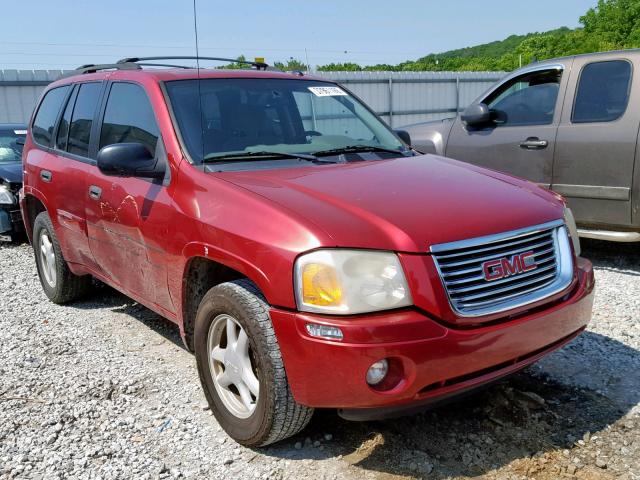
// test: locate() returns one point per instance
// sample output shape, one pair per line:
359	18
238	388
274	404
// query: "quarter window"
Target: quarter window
526	100
603	92
47	115
82	118
129	118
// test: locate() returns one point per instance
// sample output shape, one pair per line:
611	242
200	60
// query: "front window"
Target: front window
526	100
220	118
11	143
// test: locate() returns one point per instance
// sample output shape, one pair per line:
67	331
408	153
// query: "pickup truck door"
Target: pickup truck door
526	108
596	142
128	219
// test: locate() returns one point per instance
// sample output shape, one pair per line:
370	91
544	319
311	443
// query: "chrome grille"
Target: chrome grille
461	268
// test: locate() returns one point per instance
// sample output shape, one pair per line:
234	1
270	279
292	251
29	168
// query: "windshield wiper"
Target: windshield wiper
356	149
240	156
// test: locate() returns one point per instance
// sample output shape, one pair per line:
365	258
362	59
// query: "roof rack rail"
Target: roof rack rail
135	60
92	68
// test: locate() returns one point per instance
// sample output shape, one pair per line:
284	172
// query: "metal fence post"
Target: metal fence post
391	101
457	95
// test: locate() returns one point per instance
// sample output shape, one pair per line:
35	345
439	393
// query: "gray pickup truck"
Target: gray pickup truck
570	124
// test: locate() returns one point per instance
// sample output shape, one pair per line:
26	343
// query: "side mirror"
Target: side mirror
129	160
476	114
404	136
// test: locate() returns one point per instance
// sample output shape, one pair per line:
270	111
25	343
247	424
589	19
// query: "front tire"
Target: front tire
58	282
241	368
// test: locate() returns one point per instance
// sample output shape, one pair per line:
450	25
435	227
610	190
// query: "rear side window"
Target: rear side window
129	118
63	127
47	115
603	92
82	118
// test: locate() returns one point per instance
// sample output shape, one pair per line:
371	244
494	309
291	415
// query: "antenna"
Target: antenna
195	29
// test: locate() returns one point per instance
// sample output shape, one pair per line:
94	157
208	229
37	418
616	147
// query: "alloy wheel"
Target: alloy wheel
232	367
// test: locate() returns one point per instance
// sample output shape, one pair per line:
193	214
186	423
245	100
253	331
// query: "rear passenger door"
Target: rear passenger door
58	168
596	141
128	219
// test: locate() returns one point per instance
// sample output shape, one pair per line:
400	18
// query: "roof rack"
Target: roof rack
92	68
135	60
136	63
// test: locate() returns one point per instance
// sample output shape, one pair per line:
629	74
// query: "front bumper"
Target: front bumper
10	220
436	360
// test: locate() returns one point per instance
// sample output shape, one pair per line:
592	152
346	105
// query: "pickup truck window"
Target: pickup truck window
48	114
603	92
129	118
526	100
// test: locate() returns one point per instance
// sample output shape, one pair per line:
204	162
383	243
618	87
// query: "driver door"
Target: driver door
520	140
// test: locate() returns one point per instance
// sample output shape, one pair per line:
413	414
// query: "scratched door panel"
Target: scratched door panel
127	226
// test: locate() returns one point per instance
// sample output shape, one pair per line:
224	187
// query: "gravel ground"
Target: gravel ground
103	389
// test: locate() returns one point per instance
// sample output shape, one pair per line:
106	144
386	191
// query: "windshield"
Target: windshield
11	143
272	115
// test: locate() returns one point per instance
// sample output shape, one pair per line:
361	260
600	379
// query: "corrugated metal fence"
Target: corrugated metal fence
400	98
19	91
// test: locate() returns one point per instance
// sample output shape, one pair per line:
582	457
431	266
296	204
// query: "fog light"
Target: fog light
324	331
377	372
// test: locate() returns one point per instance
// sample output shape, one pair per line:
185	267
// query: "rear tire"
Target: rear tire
58	282
233	314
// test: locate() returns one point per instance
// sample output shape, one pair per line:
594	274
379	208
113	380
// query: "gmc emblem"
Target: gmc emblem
505	267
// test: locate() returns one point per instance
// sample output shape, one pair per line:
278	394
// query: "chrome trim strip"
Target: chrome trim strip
558	281
513	286
481	277
472	242
593	191
610	236
503	245
495	255
505	281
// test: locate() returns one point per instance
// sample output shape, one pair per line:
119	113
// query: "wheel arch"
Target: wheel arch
204	269
32	205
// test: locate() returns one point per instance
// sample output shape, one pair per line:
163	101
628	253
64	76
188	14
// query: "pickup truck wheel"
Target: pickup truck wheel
58	282
241	369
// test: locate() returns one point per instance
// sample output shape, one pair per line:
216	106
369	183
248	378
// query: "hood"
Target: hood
403	204
430	137
11	172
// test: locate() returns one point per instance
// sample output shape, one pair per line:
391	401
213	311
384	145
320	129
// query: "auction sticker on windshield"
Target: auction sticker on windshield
327	91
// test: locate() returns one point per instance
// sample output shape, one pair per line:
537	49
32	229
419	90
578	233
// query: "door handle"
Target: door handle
46	175
534	143
95	192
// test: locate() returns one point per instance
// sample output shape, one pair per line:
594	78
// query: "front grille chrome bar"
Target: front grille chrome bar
462	271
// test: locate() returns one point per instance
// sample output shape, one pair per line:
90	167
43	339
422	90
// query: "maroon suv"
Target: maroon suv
309	256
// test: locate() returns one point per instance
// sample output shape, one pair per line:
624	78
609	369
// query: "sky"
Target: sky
63	34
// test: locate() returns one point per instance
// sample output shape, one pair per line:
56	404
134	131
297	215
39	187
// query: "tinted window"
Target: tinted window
527	100
47	115
129	118
82	118
63	127
603	92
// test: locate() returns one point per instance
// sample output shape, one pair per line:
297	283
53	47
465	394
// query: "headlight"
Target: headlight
570	222
6	197
347	282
